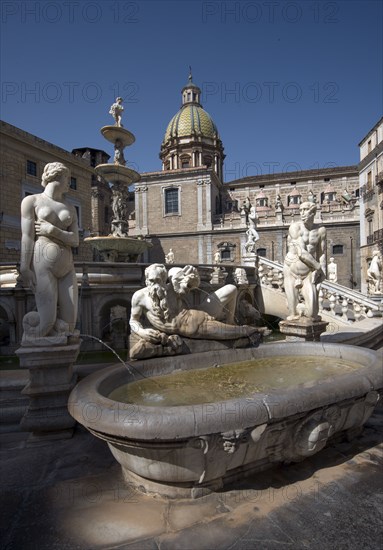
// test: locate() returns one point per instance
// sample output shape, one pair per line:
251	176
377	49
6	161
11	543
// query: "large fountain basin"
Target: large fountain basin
188	449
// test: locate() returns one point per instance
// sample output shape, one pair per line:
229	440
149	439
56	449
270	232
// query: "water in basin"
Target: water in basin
230	381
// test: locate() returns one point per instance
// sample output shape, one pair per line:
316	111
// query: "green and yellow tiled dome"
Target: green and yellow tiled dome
191	118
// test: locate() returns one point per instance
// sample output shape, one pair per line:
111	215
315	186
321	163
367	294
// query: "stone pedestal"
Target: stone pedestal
218	277
249	259
51	379
302	330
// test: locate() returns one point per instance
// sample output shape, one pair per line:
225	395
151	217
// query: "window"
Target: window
294	199
78	212
262	201
217	205
369	179
261	252
207	161
73	183
31	168
185	164
171	201
326	179
337	249
369	147
227	251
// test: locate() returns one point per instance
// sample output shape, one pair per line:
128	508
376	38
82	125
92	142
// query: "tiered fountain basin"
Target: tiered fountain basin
116	173
113	133
122	249
178	441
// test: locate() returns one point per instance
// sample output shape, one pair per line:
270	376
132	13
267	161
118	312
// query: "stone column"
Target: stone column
200	224
208	222
51	379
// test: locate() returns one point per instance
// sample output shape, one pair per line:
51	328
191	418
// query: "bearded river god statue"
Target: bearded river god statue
161	317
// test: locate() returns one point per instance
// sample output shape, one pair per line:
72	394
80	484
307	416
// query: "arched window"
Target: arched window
261	252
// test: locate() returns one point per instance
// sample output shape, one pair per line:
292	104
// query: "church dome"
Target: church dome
191	119
191	139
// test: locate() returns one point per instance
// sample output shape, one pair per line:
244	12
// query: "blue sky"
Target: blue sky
290	85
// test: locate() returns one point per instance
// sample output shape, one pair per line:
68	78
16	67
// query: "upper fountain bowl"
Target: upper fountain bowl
113	133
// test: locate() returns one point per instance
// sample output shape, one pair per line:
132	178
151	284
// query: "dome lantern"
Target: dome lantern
191	93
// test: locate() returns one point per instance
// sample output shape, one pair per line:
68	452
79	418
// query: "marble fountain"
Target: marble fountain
186	415
184	424
118	246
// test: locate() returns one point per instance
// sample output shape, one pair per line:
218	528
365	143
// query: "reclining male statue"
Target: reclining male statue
163	306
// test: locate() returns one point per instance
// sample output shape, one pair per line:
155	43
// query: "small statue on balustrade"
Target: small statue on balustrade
332	271
374	273
169	257
245	209
278	203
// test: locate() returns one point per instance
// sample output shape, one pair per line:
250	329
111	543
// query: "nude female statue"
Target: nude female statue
49	229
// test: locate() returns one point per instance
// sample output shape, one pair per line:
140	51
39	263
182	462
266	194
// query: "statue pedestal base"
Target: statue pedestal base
218	277
51	379
249	259
191	346
302	330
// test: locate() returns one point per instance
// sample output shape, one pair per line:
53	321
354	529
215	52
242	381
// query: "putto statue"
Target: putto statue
161	315
374	273
49	229
116	111
304	264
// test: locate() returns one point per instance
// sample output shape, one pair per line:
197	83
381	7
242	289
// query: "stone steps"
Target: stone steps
12	403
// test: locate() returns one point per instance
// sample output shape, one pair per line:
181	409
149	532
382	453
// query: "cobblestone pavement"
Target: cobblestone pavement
71	495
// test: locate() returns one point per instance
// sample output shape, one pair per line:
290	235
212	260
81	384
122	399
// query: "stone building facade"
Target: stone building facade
371	191
23	157
188	208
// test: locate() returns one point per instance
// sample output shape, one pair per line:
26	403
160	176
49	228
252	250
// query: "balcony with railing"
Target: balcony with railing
366	192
